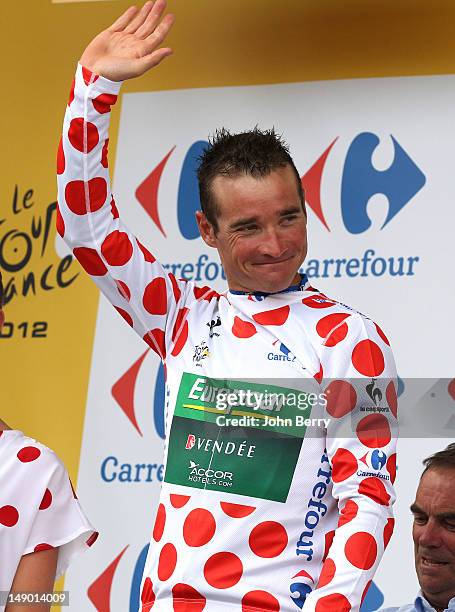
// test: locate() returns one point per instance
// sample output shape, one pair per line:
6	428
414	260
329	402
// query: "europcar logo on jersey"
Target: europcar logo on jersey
359	182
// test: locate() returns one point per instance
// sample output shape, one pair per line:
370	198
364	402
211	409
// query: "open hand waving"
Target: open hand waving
129	47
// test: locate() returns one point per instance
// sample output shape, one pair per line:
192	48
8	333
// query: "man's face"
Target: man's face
261	235
433	533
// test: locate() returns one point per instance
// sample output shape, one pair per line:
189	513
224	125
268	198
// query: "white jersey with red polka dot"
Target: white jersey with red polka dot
252	516
38	507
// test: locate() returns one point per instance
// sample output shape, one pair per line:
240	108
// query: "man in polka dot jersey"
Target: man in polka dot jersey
279	470
433	533
42	526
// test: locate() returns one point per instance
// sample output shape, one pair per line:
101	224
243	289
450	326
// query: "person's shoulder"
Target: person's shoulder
28	449
321	304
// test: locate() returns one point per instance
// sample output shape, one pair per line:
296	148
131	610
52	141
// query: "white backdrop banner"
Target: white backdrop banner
375	156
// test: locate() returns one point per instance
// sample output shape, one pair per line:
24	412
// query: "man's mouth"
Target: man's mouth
275	261
428	562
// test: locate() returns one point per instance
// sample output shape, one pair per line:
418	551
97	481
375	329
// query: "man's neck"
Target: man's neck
437	605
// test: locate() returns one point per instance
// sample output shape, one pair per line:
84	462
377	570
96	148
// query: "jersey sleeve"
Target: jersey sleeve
360	388
145	295
58	520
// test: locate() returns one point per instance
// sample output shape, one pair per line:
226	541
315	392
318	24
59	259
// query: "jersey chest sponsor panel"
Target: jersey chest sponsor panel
245	447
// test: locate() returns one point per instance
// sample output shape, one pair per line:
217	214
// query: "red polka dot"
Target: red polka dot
391	396
60	158
75	195
145	252
236	510
381	334
365	591
344	465
328	543
167	561
8	516
348	512
92	539
243	329
46	501
319	375
277	316
222	570
374	431
327	573
199	527
105	154
123	289
388	531
114	210
88	76
81	134
341	398
374	488
450	389
126	315
368	359
155	297
318	301
180	331
178	501
147	595
28	453
268	539
336	601
71	96
103	102
205	293
259	600
160	521
175	287
155	339
43	546
332	328
391	466
60	223
187	599
117	248
361	550
90	261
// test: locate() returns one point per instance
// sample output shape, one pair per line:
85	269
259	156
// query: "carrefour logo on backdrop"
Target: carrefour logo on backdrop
360	181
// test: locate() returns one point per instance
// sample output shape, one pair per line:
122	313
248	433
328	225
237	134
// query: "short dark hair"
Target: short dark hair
441	459
255	153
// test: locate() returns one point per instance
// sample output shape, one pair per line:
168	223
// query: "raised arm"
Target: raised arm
148	298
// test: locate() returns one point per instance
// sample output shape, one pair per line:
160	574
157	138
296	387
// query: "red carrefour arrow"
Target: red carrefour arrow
99	592
311	183
123	390
147	192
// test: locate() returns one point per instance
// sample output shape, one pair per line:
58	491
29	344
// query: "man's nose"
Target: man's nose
273	244
430	534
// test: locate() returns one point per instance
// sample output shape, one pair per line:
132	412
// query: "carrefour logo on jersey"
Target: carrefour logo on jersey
359	181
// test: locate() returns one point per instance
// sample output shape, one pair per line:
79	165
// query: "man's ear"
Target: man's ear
206	229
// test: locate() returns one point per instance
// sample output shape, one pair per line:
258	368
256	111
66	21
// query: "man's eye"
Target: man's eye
420	520
289	218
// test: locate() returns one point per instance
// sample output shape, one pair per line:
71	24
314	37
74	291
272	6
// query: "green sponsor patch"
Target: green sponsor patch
256	458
